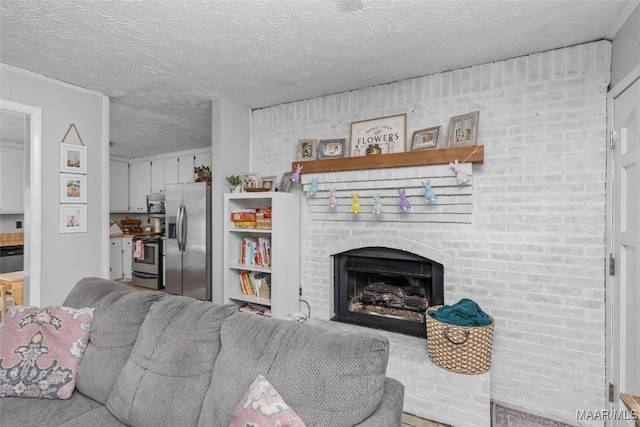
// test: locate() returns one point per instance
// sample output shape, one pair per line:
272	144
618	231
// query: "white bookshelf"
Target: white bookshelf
285	250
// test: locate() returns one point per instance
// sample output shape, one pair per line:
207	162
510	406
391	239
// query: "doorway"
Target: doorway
32	198
623	287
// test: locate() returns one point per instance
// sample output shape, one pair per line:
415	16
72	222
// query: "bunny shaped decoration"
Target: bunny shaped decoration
333	200
355	206
460	175
377	205
313	188
429	195
404	203
295	177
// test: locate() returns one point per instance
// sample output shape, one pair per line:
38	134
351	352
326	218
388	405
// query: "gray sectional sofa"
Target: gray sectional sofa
155	359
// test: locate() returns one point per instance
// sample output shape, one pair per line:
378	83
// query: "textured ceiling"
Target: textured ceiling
162	61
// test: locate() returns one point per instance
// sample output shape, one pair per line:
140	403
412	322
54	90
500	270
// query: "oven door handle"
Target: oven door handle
143	275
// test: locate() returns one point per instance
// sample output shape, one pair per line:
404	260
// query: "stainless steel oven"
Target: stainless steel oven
146	262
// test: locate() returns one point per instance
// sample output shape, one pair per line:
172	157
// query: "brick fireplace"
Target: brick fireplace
525	239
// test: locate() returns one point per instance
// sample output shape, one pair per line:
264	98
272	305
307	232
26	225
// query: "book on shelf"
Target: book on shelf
255	309
255	251
255	283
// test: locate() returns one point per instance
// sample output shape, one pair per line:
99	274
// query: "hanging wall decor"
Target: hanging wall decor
429	195
313	188
383	135
333	200
73	184
377	205
404	203
355	205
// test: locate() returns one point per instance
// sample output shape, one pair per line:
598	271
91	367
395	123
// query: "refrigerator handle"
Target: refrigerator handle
179	228
183	228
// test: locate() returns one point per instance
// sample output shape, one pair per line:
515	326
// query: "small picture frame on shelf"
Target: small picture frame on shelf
463	130
73	218
250	181
425	139
383	135
73	158
73	188
331	148
285	182
268	183
307	149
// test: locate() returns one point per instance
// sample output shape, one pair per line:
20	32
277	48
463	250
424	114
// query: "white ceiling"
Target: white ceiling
162	61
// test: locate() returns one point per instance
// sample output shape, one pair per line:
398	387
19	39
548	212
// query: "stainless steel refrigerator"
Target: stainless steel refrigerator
188	240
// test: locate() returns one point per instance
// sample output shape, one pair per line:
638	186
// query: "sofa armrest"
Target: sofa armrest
389	413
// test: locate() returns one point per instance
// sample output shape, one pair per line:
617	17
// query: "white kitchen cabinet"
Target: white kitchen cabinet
140	186
283	271
171	170
157	176
127	254
119	186
11	179
203	159
115	258
186	168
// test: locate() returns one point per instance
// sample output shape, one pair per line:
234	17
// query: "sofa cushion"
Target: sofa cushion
329	378
120	310
169	370
18	412
114	330
262	405
40	350
89	290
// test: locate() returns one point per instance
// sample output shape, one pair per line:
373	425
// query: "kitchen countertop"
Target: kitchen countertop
11	239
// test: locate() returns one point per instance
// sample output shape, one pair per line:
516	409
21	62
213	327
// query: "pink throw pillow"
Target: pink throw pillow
40	350
261	406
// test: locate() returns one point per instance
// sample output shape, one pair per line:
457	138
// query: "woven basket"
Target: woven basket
203	176
464	350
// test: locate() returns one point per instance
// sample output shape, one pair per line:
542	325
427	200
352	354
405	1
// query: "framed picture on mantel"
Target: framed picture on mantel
384	135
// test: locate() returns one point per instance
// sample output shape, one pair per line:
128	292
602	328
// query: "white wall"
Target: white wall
533	254
626	48
66	258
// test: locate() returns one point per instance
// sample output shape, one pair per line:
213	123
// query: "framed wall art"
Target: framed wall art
387	133
73	188
424	139
307	149
331	148
73	218
463	130
73	158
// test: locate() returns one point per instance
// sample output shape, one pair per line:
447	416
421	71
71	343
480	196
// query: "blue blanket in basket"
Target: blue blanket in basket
465	312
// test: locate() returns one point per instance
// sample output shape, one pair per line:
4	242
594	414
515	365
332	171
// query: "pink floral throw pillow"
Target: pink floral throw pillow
40	350
262	406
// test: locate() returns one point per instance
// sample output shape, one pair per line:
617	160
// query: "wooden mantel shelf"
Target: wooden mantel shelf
472	154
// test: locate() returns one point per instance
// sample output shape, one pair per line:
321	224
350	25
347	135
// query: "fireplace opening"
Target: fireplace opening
386	288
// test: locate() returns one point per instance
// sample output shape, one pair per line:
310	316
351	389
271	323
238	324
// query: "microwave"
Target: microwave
155	204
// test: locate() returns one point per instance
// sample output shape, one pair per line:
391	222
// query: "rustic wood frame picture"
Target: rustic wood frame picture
307	149
389	133
425	139
463	130
331	148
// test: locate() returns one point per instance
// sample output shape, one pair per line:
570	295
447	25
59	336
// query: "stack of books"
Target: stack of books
256	283
255	252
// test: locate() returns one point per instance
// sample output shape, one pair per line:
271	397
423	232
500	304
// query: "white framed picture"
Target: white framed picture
73	158
73	188
73	218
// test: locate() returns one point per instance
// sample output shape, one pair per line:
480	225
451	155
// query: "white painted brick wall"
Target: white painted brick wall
533	254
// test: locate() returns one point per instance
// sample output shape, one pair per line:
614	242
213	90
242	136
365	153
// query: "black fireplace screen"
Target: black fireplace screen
385	288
